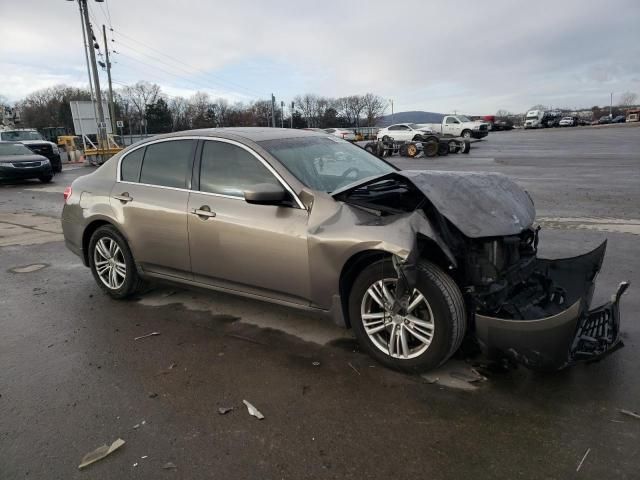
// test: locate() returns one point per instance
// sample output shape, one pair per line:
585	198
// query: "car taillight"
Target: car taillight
67	193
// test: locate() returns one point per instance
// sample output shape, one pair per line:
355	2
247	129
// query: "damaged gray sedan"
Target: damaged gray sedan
413	261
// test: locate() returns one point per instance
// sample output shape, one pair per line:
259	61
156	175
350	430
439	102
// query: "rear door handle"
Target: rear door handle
203	212
124	198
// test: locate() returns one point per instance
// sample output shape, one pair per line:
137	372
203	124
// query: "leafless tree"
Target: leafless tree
628	99
141	94
178	107
374	108
308	106
505	113
221	108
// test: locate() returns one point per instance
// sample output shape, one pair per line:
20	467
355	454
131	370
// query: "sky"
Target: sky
467	55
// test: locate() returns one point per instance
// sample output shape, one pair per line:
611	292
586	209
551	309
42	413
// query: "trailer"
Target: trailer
428	145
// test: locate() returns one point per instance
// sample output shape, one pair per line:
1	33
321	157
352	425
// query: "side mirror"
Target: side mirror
265	194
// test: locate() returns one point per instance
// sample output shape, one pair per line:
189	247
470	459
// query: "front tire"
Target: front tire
46	178
426	336
466	134
112	263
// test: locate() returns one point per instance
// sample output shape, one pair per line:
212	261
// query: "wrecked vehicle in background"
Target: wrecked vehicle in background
412	261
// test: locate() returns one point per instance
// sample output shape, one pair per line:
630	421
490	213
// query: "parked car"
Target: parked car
459	126
605	119
412	261
619	119
17	162
403	132
36	142
568	122
342	133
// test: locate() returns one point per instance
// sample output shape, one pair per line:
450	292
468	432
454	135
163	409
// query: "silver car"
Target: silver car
413	261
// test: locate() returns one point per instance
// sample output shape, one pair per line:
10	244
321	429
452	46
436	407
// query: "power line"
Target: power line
223	82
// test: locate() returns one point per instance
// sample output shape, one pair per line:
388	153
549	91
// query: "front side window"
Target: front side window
168	164
452	120
130	166
227	169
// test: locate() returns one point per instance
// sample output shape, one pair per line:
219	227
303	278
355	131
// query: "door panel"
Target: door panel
154	221
260	249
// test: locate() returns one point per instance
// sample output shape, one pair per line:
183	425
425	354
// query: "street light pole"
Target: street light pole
281	113
392	118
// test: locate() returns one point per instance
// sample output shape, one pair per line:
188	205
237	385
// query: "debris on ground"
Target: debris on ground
253	410
152	334
583	459
354	368
135	464
630	413
29	268
169	466
316	364
172	366
224	410
99	453
137	425
153	395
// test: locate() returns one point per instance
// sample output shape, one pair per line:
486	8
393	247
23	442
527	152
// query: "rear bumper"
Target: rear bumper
572	335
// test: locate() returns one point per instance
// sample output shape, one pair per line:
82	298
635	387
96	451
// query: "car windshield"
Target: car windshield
21	135
462	118
14	149
325	163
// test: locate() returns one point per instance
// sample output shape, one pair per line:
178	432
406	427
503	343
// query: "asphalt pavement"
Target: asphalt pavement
73	377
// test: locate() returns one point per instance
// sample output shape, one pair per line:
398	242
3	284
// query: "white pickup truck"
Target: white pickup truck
459	126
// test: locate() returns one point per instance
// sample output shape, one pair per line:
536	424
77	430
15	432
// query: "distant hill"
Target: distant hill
410	117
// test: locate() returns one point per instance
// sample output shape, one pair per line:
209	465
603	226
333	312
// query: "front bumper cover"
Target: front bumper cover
572	335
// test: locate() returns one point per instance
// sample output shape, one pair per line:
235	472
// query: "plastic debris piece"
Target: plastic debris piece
152	334
99	453
253	410
583	459
135	464
144	456
316	364
169	466
172	366
224	410
630	413
136	426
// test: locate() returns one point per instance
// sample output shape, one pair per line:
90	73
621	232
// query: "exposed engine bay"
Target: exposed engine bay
533	310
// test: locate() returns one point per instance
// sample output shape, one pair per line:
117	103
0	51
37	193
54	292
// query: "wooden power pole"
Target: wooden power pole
111	106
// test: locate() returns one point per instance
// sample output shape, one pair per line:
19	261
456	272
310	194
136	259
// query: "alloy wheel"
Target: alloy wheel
109	263
402	336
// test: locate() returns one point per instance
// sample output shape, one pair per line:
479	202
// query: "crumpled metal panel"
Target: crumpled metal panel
478	204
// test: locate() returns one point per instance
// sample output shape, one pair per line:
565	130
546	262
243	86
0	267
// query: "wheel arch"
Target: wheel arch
429	250
88	232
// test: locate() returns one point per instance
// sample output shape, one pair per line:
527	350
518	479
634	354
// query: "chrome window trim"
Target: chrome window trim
284	184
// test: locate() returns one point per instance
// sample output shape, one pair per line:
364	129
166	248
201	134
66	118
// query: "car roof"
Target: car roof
255	134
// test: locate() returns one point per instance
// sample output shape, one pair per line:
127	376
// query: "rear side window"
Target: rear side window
230	170
168	164
130	166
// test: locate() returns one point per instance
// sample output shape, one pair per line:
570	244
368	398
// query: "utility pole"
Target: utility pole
273	111
102	133
85	41
392	120
111	106
281	113
292	107
611	105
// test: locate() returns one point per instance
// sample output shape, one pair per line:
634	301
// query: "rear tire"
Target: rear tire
430	147
112	263
442	307
443	148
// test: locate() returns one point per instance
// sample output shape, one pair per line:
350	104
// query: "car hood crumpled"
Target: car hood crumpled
478	204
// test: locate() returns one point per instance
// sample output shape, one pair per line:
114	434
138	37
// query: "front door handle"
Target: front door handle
124	198
203	212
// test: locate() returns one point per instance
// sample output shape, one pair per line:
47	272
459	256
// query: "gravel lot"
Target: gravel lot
73	377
